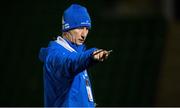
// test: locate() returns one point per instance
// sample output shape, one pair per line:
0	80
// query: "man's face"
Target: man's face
78	35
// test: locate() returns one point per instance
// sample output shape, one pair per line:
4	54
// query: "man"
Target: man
66	82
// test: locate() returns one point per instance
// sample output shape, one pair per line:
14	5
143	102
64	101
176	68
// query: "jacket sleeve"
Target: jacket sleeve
74	63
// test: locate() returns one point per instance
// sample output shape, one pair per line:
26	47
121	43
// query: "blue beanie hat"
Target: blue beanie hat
75	16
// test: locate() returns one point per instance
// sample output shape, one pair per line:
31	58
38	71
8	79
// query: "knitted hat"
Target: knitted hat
75	16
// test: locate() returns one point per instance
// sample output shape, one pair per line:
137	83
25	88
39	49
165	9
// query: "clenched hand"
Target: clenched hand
101	54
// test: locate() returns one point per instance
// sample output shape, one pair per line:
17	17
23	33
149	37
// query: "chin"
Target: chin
79	43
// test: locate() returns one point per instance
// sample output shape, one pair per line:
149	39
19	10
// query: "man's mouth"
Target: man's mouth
81	40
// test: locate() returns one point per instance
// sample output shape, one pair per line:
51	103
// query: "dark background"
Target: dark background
142	70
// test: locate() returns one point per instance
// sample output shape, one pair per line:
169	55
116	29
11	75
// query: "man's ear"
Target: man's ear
64	34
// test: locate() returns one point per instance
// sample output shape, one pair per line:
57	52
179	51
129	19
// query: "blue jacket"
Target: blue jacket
66	82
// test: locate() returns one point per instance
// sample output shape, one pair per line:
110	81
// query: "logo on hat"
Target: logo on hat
86	23
64	25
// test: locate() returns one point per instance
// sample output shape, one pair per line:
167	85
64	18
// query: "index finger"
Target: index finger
110	51
98	52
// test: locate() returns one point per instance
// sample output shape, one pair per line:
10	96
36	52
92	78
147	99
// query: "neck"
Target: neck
67	36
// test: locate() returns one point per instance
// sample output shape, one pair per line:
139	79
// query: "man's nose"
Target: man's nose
84	32
83	37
